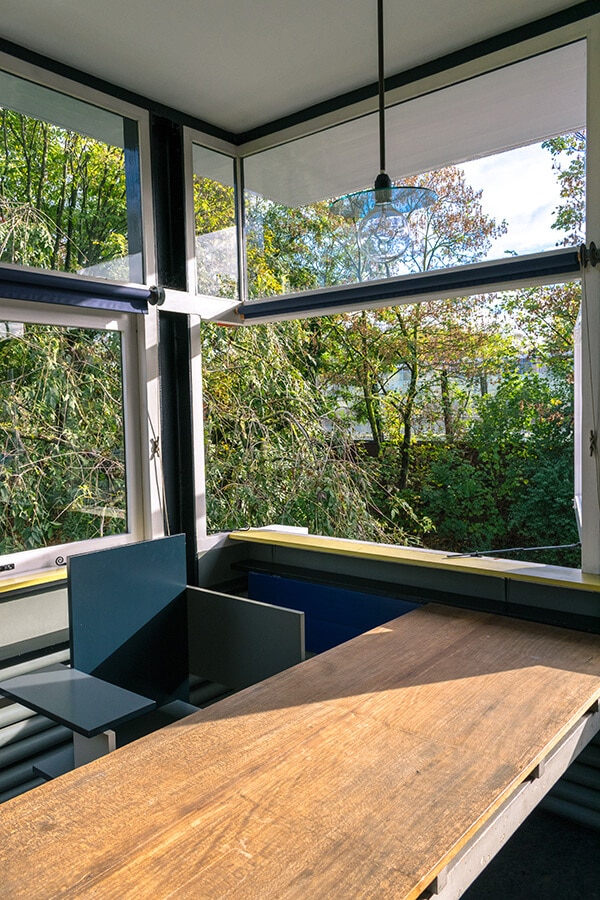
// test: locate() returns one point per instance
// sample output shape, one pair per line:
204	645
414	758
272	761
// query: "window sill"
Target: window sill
538	573
31	579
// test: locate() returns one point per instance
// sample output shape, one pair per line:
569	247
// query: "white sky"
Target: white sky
521	187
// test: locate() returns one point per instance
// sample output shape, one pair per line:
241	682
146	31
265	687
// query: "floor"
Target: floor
549	858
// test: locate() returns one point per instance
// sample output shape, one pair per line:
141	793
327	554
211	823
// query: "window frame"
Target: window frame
53	81
41	558
208	307
588	389
141	389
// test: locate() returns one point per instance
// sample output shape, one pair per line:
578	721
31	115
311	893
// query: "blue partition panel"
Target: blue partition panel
332	615
128	618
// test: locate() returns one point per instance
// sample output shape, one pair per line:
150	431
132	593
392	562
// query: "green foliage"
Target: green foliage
216	247
460	497
275	450
62	473
510	484
62	197
546	317
568	161
298	249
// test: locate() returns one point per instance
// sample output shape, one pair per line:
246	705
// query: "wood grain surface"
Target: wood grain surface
359	773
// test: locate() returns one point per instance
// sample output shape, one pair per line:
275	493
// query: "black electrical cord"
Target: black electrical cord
381	85
476	553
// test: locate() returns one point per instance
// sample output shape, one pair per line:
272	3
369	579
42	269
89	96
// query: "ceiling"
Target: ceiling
240	64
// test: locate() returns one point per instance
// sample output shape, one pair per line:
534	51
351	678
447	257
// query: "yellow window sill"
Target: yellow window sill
32	579
414	556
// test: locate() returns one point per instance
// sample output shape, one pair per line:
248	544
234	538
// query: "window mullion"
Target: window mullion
589	452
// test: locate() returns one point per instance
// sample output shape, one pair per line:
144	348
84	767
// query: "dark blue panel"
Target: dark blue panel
333	615
49	287
127	610
321	635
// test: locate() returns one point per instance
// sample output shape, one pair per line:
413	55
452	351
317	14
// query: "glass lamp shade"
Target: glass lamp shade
383	234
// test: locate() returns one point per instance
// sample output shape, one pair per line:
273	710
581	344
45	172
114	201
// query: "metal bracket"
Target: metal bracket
157	296
589	255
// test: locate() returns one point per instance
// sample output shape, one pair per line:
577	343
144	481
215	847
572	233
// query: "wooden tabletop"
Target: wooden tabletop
359	773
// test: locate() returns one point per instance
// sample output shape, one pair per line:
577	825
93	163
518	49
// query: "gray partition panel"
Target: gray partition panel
238	642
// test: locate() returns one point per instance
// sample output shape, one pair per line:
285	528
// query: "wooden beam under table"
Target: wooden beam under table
364	771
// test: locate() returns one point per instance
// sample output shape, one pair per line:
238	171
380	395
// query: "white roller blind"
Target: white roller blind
517	105
59	109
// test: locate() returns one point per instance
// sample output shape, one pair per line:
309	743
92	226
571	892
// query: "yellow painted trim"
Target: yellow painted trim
434	559
17	582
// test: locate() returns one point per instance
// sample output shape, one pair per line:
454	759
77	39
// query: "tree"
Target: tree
547	316
426	342
568	161
275	449
62	196
216	242
511	482
62	459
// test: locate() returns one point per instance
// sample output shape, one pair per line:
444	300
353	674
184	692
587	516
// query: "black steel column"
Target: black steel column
174	348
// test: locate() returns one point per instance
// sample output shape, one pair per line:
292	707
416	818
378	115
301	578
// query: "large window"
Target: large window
495	124
447	424
69	184
68	456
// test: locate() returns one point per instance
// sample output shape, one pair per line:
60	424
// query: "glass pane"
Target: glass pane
486	209
488	147
447	424
62	447
63	192
214	213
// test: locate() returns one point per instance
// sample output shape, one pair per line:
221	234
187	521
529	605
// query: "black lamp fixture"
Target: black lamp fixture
383	230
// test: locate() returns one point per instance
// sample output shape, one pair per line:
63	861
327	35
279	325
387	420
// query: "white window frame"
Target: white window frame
93	97
145	490
589	389
126	324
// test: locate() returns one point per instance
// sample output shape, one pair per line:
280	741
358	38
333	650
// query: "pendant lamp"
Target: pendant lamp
381	213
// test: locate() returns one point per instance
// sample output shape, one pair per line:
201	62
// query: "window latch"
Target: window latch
589	255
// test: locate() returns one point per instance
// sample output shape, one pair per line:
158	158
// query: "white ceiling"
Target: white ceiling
242	63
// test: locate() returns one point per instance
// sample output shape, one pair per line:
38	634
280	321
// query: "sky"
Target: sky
519	186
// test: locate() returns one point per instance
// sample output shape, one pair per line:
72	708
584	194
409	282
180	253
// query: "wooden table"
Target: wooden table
368	771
